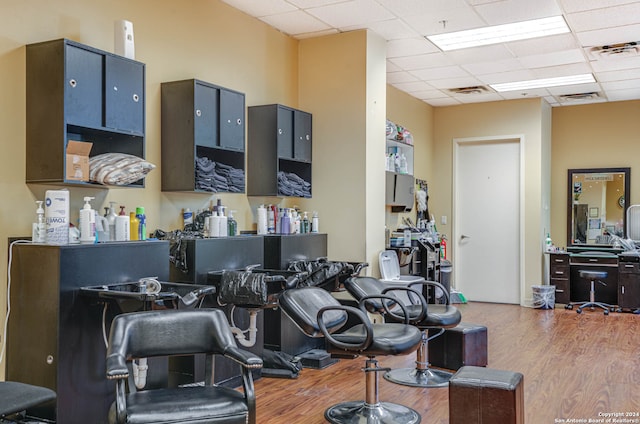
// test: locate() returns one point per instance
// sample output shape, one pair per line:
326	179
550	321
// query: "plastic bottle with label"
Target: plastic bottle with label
39	227
133	226
315	223
232	225
87	222
187	218
142	223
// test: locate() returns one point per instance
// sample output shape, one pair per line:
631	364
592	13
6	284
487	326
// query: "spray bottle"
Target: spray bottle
142	223
87	222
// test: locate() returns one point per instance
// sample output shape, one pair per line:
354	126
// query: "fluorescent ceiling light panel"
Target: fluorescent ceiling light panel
500	33
543	83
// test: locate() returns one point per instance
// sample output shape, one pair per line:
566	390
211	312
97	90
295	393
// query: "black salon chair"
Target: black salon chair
16	398
178	332
317	313
592	276
423	315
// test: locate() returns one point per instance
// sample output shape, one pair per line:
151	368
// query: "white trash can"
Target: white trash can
544	297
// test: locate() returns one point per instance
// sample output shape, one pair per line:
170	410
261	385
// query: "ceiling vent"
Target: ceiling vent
476	89
621	50
580	97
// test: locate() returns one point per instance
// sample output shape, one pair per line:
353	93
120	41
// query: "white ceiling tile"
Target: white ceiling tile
410	87
294	23
440	73
404	8
445	101
616	64
448	83
261	8
429	94
409	47
620	95
478	98
562	70
452	20
544	45
527	94
350	13
392	67
480	54
571	6
610	17
306	4
510	76
393	29
493	67
509	11
621	85
422	61
602	37
397	77
575	89
609	76
553	59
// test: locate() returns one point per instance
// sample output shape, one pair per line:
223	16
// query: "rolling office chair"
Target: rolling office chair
424	316
16	398
178	332
592	276
317	313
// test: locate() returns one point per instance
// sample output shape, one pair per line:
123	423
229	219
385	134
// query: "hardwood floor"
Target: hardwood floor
576	367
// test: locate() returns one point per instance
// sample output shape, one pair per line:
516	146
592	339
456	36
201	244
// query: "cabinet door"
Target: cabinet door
285	133
231	120
83	87
205	115
124	94
302	136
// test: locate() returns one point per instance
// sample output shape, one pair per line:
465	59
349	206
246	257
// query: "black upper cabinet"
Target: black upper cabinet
279	151
203	137
77	92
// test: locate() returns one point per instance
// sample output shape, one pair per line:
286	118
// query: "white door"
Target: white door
487	219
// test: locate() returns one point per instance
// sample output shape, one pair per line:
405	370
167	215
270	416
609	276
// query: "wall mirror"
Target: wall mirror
597	203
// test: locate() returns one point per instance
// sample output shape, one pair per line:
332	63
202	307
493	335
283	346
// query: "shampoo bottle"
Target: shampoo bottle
222	222
305	224
133	226
315	223
262	220
87	222
39	227
285	223
232	225
111	221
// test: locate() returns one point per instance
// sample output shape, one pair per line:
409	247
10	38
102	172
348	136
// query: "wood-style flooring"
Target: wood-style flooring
576	367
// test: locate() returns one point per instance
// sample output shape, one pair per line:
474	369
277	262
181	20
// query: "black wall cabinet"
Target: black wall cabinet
76	92
202	124
279	144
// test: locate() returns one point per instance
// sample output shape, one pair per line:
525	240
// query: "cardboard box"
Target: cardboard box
77	163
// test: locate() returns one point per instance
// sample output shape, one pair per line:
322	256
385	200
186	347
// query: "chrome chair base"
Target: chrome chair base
419	378
359	412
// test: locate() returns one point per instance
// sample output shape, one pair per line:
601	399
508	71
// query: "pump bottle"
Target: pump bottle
87	222
39	227
222	222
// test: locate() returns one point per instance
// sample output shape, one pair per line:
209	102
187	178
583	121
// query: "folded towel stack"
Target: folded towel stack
218	177
290	184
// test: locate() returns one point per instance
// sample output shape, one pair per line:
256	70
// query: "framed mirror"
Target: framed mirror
597	202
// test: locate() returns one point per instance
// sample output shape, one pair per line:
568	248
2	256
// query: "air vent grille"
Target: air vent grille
616	50
476	89
580	97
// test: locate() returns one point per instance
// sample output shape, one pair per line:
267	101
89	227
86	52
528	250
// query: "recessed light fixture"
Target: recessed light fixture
544	82
500	33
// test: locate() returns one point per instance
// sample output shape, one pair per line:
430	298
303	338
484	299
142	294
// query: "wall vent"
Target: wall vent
621	50
476	89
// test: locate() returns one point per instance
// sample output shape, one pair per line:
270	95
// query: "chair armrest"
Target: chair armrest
405	318
116	367
366	324
243	357
412	319
434	284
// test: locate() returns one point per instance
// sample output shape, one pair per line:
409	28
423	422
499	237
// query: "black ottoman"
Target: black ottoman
479	395
465	344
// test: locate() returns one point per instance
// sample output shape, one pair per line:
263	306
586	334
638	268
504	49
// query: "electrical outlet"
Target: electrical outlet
443	220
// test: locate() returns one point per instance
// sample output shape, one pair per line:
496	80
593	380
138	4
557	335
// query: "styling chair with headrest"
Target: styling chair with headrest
421	314
16	398
178	332
318	314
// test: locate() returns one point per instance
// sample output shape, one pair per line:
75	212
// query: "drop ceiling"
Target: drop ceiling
601	42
